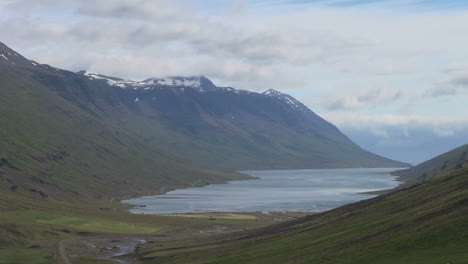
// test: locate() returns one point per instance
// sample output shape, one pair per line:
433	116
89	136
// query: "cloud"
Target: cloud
156	38
358	99
30	5
460	81
353	120
130	9
453	84
395	128
442	91
407	138
163	30
455	67
444	132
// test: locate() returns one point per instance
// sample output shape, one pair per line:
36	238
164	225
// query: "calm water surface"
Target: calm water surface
275	191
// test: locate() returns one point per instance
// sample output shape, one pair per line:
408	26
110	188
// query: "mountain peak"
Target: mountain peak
272	92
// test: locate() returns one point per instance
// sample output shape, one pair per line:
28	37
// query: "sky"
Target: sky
392	75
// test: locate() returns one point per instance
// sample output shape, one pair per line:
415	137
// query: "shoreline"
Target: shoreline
137	205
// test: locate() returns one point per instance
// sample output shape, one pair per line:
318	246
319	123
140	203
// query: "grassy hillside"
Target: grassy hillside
427	223
450	160
66	159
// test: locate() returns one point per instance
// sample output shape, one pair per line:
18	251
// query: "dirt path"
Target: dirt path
63	254
72	243
104	248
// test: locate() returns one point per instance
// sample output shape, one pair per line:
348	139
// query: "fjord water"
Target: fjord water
275	191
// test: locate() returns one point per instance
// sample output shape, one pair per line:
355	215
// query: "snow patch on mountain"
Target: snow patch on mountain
117	82
152	83
197	83
193	82
272	92
287	99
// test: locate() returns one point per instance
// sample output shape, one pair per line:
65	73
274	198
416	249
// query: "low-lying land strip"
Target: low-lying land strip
79	235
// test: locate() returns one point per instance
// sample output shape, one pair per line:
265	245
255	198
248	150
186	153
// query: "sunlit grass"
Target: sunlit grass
17	256
78	223
217	216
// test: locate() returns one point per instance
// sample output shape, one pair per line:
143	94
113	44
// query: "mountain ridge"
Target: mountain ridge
453	159
215	126
265	118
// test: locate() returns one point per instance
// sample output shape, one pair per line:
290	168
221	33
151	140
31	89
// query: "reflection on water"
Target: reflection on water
275	191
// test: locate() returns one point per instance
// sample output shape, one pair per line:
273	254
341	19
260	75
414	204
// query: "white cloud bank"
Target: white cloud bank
408	138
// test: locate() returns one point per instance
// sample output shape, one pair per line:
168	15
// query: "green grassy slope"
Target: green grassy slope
450	160
427	223
67	158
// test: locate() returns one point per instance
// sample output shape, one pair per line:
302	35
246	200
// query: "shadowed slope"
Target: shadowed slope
63	139
450	160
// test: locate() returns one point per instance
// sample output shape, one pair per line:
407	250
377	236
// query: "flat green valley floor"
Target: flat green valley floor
33	236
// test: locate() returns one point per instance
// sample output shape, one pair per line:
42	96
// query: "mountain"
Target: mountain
454	159
89	136
63	139
71	144
426	223
232	129
12	58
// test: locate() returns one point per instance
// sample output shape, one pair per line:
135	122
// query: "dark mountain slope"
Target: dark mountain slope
62	139
450	160
234	129
427	223
216	126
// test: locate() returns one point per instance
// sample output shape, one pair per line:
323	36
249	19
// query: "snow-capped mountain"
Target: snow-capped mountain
192	117
200	83
196	83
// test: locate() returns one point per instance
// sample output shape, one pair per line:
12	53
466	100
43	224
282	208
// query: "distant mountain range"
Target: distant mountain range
60	128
